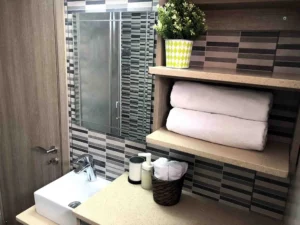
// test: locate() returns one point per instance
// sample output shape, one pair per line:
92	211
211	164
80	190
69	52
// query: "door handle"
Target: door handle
52	149
117	107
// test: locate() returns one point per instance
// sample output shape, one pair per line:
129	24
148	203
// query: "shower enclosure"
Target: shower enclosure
98	53
110	88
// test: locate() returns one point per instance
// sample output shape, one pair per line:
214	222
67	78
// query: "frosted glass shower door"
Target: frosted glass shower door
99	73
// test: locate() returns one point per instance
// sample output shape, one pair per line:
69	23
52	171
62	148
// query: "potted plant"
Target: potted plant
179	23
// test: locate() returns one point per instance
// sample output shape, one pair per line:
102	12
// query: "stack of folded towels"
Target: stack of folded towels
223	115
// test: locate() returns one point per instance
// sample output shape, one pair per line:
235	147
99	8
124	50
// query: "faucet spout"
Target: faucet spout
86	164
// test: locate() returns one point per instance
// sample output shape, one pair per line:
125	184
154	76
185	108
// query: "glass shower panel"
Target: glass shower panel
94	66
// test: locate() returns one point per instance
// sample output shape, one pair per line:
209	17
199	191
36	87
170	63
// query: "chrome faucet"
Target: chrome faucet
86	164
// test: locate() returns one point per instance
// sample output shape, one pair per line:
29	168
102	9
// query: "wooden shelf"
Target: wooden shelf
274	160
280	81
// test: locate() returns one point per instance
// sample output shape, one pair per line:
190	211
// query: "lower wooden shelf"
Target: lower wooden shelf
274	160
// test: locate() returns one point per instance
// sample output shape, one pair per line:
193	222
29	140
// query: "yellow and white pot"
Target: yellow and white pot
178	53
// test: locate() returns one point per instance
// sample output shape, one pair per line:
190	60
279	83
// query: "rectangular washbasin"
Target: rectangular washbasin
53	200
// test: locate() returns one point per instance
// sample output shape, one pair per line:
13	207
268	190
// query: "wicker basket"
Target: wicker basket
167	193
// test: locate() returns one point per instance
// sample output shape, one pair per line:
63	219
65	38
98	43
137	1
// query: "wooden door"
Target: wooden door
30	104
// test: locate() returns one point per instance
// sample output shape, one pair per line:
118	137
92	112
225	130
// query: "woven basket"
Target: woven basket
167	193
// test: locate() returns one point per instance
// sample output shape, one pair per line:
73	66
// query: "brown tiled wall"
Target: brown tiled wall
265	51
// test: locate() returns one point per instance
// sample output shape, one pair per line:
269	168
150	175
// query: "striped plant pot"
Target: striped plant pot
178	53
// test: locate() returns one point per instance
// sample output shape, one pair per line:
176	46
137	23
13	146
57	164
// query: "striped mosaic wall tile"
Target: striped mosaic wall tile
115	155
231	185
132	149
257	51
198	52
207	178
74	70
108	5
270	195
79	141
265	51
288	53
237	186
283	116
97	147
137	41
222	49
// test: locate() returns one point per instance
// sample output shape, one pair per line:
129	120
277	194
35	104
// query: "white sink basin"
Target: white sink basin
52	200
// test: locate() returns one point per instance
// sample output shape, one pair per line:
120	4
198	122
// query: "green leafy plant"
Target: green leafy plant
179	19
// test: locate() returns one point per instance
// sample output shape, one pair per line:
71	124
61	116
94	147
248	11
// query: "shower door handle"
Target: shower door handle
117	107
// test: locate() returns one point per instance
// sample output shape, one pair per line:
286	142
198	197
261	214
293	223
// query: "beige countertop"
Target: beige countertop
126	204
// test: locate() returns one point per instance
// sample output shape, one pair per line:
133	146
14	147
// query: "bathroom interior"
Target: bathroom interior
149	112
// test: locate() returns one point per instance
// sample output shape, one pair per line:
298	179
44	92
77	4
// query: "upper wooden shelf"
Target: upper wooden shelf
274	160
281	81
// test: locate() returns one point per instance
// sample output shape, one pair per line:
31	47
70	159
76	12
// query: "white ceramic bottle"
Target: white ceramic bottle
147	170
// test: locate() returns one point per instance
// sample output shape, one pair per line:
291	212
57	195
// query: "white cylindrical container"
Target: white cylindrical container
146	176
135	169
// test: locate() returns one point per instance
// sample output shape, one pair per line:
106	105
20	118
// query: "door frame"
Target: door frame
62	83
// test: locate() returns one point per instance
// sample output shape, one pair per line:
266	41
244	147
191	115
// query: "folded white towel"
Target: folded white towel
221	129
177	169
247	104
165	170
161	168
